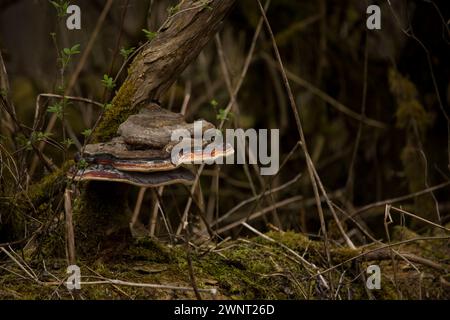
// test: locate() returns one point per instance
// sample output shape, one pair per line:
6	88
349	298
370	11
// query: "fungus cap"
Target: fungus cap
117	155
145	180
153	126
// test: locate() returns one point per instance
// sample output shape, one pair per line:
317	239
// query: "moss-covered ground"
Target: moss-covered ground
253	268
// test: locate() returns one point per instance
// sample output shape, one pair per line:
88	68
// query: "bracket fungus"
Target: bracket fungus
153	127
99	172
141	154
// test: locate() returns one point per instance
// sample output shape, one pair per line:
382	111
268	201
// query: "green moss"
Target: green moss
150	250
121	109
409	108
38	202
50	184
250	269
101	217
241	274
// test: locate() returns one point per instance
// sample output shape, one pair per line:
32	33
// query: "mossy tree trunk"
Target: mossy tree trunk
102	214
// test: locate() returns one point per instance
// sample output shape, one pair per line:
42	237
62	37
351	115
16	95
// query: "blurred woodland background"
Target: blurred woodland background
374	107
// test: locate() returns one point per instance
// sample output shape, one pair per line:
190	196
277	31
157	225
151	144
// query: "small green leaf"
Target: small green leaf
149	34
214	103
127	52
68	143
75	49
57	109
87	133
72	51
67	53
223	115
82	164
61	7
43	136
55	4
108	82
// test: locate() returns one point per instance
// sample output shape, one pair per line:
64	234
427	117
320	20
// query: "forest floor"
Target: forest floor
277	265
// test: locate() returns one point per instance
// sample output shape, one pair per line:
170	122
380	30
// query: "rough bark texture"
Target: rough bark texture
151	73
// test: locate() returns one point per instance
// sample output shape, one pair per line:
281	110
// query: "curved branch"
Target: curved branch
162	60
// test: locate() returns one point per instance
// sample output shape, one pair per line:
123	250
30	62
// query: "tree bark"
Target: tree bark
161	61
102	214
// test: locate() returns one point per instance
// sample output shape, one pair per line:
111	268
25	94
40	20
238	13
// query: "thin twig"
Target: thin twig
351	173
309	264
420	218
294	108
327	98
236	90
382	248
399	199
77	72
261	213
247	201
70	234
144	285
